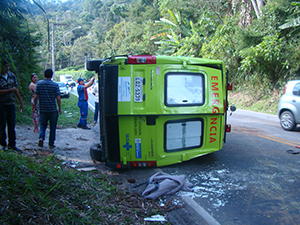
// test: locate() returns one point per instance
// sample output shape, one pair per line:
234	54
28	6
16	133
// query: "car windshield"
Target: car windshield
60	84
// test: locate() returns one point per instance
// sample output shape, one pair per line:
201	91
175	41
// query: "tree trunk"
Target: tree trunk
245	13
260	5
255	8
234	5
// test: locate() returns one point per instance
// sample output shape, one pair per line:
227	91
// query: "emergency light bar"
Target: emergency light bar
141	59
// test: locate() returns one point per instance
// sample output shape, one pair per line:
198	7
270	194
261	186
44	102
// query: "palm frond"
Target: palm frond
291	23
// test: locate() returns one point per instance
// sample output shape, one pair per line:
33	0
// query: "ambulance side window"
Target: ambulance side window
184	89
183	135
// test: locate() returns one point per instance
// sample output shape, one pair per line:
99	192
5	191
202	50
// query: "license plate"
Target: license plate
138	89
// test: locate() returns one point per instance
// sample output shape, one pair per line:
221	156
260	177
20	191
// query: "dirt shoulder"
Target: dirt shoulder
73	144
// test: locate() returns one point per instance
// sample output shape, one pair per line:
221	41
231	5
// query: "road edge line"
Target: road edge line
197	208
200	211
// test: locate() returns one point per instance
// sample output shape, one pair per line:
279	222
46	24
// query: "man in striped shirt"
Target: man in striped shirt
48	94
8	91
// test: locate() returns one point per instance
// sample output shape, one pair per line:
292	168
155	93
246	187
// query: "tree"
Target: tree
258	6
18	40
172	32
294	22
120	10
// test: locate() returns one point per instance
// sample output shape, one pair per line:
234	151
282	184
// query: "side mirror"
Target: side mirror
232	109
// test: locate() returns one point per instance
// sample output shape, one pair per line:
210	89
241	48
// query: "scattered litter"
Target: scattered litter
69	114
86	169
156	218
292	152
82	139
70	163
131	181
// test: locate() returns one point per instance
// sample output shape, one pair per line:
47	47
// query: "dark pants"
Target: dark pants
7	116
96	111
44	118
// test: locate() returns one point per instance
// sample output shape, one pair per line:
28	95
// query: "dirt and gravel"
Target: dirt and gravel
72	144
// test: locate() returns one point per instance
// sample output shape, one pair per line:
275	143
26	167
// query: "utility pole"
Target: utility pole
53	44
52	51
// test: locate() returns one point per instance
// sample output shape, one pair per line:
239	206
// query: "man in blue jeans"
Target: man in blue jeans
48	94
83	102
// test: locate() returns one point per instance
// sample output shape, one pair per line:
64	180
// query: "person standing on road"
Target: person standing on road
8	89
35	109
96	93
48	94
82	102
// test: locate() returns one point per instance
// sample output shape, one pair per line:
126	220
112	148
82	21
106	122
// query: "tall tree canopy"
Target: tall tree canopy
257	39
18	40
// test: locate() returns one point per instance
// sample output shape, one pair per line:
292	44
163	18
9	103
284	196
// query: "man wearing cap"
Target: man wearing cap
82	101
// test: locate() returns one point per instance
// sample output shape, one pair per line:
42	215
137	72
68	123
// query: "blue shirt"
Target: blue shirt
82	93
47	90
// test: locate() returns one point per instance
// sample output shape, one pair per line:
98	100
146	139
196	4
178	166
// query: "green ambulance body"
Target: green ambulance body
159	110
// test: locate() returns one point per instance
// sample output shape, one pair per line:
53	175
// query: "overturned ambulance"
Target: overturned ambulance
159	110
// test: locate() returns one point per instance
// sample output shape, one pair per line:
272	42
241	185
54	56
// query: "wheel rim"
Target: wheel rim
286	121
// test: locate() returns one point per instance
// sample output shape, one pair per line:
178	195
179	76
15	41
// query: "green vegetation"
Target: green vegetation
69	117
257	40
76	73
71	112
39	189
259	103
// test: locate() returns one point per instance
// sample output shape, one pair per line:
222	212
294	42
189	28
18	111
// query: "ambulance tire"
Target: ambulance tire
96	152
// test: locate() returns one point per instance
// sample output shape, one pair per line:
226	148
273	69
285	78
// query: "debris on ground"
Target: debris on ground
157	218
164	184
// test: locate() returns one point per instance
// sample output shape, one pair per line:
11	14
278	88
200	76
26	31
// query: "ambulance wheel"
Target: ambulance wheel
96	152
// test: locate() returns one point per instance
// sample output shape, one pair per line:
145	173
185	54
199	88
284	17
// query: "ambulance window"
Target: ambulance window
183	135
184	89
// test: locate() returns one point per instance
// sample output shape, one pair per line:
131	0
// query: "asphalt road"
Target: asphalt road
252	180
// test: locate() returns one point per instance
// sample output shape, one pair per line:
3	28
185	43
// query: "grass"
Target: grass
257	103
71	113
69	117
40	189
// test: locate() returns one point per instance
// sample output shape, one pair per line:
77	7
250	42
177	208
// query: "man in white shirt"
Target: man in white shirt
96	93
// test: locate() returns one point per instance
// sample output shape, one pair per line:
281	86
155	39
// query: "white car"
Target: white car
289	106
64	93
